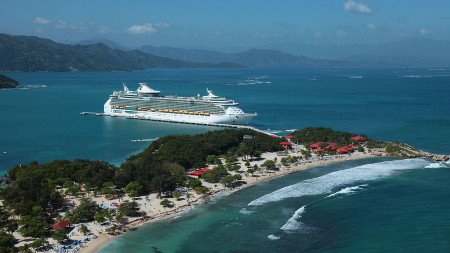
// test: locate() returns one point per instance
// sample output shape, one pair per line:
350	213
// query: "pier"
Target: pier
184	122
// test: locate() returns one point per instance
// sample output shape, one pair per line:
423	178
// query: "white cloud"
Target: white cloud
41	21
358	8
141	29
371	26
424	31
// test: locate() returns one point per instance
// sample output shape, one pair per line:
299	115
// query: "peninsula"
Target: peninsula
8	83
82	204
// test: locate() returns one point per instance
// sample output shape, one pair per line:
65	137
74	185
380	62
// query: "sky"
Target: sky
227	23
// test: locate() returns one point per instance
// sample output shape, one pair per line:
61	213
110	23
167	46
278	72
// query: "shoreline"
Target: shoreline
103	239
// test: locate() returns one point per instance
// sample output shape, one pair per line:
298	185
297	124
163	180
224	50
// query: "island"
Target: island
80	205
8	83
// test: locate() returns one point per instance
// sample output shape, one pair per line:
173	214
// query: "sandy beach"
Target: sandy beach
156	212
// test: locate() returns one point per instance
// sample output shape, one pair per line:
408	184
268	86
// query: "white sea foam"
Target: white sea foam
293	223
438	165
326	183
245	211
347	190
355	77
273	237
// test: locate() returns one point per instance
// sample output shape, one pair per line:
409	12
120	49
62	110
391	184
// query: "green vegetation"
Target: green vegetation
8	83
320	134
85	212
166	203
29	53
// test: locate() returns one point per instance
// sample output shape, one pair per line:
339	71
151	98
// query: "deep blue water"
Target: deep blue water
404	211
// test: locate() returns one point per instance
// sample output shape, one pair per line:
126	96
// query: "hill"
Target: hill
417	51
8	83
252	57
29	53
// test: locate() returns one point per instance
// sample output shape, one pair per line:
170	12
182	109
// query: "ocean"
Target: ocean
398	210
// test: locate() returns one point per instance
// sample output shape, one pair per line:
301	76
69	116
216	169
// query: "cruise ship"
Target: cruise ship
147	103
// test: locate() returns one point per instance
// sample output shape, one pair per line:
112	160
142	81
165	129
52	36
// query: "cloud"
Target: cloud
371	26
41	21
141	29
358	8
424	31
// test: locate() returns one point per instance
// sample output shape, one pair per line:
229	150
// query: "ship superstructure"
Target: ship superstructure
147	103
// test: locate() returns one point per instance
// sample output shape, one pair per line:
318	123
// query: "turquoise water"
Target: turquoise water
395	206
403	208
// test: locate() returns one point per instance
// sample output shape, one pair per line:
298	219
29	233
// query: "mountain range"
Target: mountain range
29	53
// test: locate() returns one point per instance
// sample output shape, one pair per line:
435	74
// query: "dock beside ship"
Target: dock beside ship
184	122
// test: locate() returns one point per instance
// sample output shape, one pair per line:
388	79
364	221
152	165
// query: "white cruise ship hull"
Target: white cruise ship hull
234	119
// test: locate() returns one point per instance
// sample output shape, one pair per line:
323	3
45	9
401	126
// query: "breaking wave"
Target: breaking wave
347	190
273	237
293	223
438	165
326	183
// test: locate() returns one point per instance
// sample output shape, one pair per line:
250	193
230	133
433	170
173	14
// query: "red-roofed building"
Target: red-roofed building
332	146
60	225
357	138
342	150
286	144
275	136
289	137
199	172
319	149
315	145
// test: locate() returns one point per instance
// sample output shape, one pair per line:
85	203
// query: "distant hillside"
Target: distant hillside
251	57
29	53
104	41
8	83
416	51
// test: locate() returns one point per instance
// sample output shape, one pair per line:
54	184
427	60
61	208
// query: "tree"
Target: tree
133	189
34	225
360	148
102	216
39	243
7	242
85	230
269	165
194	182
166	203
176	195
59	235
130	209
201	189
247	164
85	212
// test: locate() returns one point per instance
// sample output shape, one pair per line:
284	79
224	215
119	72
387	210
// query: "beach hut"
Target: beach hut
332	146
286	144
199	172
315	145
319	149
357	138
60	225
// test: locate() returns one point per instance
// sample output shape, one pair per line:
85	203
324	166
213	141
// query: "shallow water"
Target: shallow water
399	210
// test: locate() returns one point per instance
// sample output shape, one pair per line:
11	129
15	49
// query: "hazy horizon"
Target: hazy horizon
228	25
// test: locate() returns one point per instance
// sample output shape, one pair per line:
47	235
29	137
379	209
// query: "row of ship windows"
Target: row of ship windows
162	106
144	109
